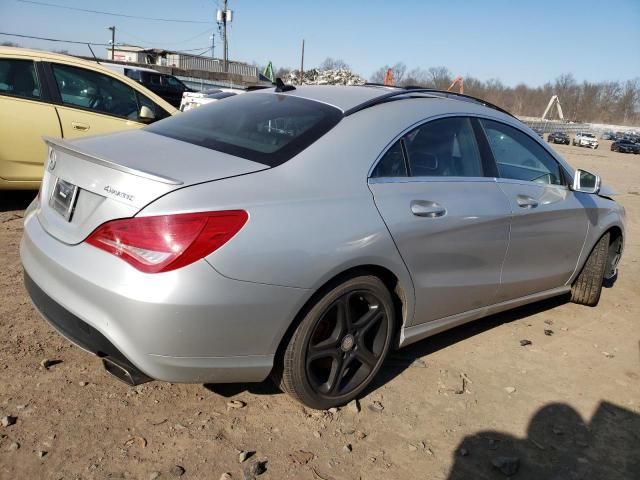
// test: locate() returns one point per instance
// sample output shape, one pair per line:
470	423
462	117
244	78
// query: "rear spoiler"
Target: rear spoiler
72	149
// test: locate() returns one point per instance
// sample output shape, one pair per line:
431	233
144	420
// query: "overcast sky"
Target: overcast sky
515	41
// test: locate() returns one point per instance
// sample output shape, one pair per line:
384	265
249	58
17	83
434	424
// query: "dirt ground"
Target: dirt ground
567	406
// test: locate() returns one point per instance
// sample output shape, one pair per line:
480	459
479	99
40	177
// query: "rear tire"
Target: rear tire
587	287
340	344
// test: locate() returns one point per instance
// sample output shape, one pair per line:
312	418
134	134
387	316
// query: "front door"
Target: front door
448	218
549	223
93	103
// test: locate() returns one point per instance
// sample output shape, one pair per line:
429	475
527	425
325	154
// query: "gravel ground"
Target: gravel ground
469	403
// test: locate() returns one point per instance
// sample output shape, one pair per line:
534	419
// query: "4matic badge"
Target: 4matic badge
112	191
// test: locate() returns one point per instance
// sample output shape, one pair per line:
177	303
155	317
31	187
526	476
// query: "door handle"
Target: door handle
525	201
83	127
428	209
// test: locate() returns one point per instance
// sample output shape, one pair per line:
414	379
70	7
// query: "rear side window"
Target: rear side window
392	164
18	79
444	148
265	128
441	148
519	157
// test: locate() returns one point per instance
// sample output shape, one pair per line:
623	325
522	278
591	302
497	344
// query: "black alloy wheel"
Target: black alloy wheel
346	344
339	345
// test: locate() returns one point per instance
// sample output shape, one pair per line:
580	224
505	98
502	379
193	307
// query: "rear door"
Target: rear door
447	216
25	117
549	223
93	103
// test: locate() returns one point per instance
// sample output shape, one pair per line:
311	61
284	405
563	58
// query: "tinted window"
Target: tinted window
392	163
18	78
443	148
173	82
134	74
95	91
519	157
151	78
266	128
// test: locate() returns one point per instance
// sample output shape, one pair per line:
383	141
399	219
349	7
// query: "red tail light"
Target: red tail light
164	243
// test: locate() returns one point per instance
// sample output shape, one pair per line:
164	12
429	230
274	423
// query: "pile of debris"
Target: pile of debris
341	76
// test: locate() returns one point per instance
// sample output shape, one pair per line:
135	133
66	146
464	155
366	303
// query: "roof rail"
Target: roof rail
413	89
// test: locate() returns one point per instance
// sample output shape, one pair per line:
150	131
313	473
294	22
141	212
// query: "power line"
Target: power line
111	13
77	42
172	43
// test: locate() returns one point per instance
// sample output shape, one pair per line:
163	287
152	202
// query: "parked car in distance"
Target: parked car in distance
303	232
192	100
539	131
608	136
166	86
585	139
48	94
558	137
625	146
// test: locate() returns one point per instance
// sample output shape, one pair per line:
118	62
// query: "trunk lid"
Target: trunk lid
93	180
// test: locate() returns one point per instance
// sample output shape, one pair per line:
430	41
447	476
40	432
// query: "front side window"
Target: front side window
519	157
265	128
18	79
95	91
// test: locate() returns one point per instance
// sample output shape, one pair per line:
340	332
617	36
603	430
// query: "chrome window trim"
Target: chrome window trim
512	124
377	180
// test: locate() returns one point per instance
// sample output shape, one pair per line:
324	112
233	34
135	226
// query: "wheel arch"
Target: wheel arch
616	243
401	294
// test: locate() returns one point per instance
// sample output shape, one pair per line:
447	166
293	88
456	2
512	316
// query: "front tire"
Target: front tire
587	287
340	344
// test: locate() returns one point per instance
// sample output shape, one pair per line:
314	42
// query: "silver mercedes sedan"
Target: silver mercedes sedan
304	232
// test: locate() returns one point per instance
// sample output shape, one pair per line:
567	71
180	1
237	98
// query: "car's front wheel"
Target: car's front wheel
587	287
339	345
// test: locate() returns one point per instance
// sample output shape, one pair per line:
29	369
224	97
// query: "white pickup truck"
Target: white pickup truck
583	139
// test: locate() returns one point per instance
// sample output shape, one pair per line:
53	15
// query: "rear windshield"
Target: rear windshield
264	128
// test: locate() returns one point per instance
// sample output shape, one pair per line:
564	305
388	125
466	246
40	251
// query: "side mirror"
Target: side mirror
146	115
585	182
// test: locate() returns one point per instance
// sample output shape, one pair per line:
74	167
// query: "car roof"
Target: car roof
352	98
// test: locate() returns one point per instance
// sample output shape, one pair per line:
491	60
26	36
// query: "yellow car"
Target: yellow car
48	94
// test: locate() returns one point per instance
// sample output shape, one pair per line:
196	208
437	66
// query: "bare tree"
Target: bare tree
399	69
439	77
603	102
333	64
282	72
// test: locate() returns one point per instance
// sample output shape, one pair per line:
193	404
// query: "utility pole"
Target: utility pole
302	64
223	17
226	43
113	41
213	44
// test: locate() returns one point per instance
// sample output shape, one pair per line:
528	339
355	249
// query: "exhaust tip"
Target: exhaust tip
123	372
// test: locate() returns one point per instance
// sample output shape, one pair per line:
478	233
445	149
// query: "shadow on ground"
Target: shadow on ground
16	200
559	445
